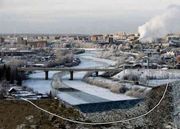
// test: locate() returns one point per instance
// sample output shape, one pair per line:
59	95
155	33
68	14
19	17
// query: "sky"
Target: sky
78	16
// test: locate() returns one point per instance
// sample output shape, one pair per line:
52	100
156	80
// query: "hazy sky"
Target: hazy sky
78	16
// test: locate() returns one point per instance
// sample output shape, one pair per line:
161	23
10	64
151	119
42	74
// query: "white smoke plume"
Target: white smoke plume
161	25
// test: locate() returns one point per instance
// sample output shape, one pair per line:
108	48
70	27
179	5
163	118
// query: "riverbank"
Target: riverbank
165	116
128	89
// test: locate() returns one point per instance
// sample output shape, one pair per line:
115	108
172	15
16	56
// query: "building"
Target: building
81	38
133	37
111	40
1	40
120	36
172	37
37	44
174	43
21	40
178	59
96	38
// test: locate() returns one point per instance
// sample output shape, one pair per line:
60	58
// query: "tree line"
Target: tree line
10	74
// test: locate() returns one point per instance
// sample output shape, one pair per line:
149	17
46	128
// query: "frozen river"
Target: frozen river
84	93
36	80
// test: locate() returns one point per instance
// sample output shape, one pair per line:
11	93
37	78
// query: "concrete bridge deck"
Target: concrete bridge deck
68	69
71	70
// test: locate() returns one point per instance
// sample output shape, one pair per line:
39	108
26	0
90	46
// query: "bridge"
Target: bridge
70	70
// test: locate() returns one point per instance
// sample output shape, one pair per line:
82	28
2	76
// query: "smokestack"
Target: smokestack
161	25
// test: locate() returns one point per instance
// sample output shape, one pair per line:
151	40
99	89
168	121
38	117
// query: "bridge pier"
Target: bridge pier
97	74
71	75
46	75
20	76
